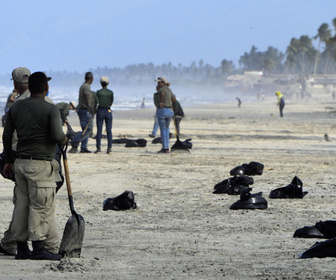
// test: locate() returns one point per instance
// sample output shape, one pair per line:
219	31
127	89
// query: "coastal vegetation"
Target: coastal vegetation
300	59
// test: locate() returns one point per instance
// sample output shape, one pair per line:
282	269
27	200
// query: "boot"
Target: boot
73	150
40	253
74	147
5	252
23	251
109	151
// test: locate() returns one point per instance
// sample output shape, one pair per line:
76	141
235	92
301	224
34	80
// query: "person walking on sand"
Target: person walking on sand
20	76
105	98
85	111
239	102
164	112
39	128
143	106
281	102
178	114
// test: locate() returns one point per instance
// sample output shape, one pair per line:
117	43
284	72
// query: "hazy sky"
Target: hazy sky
79	35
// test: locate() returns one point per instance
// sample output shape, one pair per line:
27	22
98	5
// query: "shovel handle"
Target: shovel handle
87	126
67	176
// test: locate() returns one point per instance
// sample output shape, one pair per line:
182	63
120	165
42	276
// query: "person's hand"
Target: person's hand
8	171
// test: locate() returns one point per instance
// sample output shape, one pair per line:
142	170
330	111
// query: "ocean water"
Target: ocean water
130	98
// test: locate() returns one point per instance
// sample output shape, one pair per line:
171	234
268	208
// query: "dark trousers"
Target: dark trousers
281	106
104	114
84	119
177	125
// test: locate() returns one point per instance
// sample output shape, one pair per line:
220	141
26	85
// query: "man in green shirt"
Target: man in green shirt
39	129
85	112
105	100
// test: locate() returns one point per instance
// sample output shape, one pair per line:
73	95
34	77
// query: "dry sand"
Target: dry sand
180	229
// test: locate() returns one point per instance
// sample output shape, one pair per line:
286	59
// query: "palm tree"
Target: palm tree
227	67
323	34
330	50
300	54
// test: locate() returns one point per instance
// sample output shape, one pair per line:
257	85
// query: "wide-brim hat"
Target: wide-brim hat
73	104
161	79
104	79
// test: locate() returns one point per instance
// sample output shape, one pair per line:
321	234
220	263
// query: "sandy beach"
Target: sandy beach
181	230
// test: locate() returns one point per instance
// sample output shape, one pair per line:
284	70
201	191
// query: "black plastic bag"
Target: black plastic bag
182	145
253	168
234	185
320	250
293	190
326	229
250	201
125	201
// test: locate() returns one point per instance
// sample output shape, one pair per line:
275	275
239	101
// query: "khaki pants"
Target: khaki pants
34	211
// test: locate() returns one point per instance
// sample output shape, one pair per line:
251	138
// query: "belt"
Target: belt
33	158
165	107
103	107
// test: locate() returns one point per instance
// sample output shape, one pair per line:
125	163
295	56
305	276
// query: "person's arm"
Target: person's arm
180	110
161	95
12	97
87	96
156	100
93	103
56	131
175	108
7	137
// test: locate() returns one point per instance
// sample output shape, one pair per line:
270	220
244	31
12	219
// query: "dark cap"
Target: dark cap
38	82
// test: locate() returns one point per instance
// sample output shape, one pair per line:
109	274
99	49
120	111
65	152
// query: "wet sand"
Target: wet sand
180	229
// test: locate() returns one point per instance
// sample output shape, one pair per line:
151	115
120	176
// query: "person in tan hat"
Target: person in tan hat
21	75
164	111
105	98
20	78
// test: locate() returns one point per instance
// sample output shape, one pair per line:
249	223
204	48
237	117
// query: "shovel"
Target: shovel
72	240
82	133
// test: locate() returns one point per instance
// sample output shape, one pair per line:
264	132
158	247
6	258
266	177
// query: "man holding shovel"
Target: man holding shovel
85	111
39	129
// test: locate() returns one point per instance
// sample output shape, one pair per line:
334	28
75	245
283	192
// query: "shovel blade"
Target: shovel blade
72	240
